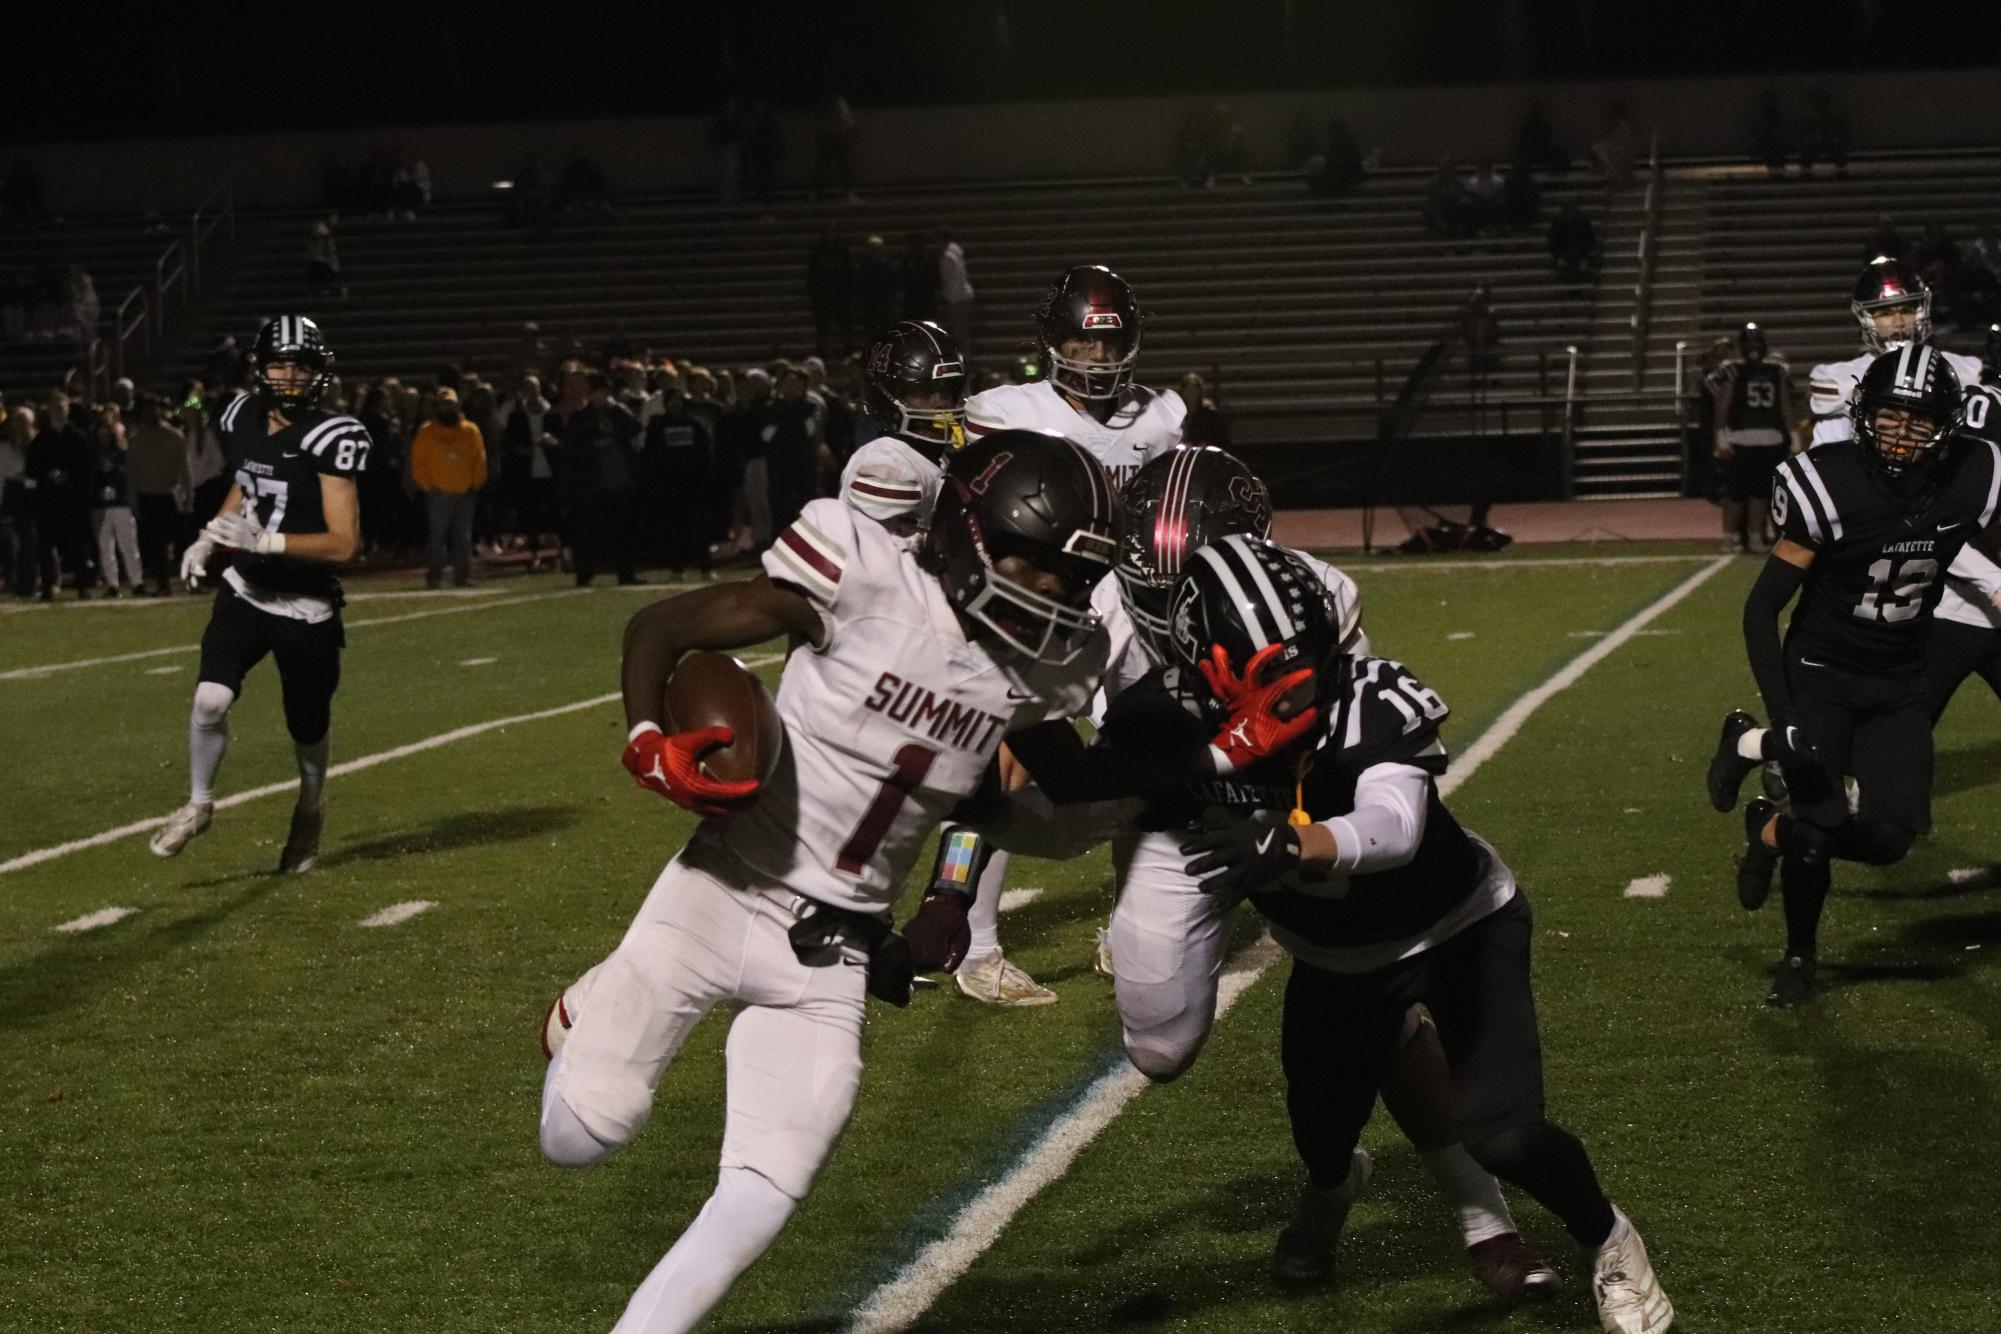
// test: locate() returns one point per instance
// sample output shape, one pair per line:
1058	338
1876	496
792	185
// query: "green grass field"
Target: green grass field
238	1109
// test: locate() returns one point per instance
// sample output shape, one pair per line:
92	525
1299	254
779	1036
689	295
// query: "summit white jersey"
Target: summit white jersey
893	483
1145	425
1833	390
890	721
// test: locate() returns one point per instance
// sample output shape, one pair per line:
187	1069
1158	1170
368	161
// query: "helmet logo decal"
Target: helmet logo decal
1103	319
880	358
979	484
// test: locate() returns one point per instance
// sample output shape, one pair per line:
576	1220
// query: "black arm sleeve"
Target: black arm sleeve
1777	583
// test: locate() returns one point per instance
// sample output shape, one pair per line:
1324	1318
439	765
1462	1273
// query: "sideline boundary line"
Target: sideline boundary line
901	1301
341	770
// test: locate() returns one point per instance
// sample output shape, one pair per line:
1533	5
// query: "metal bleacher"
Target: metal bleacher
1306	314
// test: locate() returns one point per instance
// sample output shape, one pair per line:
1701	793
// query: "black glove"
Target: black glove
1798	760
939	934
1234	855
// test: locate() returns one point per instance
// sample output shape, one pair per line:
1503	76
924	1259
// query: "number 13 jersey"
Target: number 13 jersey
890	721
1879	561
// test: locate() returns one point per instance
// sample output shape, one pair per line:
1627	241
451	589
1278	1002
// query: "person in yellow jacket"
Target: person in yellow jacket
448	465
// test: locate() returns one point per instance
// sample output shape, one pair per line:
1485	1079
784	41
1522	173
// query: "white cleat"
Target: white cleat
182	825
993	980
1101	963
1630	1300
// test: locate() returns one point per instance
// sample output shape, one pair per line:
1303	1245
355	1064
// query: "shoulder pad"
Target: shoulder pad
1390	717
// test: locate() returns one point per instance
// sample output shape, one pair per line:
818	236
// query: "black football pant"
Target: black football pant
307	653
1340	1032
1956	651
1876	727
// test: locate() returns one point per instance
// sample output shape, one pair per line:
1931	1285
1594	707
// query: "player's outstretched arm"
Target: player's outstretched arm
340	502
1784	572
720	617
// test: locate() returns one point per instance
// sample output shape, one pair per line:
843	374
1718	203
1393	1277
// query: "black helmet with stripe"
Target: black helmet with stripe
917	360
1908	401
1090	304
292	340
1246	594
1892	304
1022	533
1173	507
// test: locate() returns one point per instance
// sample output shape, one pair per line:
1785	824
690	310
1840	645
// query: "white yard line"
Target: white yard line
398	913
40	855
76	664
93	920
903	1299
478	662
1419	564
182	600
1011	899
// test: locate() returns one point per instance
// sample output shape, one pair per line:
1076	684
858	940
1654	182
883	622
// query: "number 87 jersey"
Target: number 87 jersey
1880	552
890	720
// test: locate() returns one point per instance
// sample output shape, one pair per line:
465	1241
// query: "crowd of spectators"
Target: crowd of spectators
49	302
1819	135
853	291
602	465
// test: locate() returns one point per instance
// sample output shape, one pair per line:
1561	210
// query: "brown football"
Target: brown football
715	690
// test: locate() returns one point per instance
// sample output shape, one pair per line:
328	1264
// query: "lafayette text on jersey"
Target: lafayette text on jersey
279	473
1878	563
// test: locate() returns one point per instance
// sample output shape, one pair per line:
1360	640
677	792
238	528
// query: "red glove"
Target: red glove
671	766
1253	731
939	935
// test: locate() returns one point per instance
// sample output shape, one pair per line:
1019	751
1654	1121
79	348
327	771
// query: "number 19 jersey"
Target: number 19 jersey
1878	561
890	721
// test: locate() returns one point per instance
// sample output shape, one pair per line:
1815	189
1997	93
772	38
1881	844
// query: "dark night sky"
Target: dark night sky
138	69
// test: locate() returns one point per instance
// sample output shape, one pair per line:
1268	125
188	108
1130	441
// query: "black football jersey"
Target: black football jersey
279	473
1980	413
1757	396
1879	561
1381	714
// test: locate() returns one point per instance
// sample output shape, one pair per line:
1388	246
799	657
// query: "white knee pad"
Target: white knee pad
566	1141
212	701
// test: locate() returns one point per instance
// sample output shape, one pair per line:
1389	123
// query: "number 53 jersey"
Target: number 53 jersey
891	719
1879	560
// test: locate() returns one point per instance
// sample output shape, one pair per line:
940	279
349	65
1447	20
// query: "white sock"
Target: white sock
208	739
1472	1192
313	769
1751	746
737	1225
984	918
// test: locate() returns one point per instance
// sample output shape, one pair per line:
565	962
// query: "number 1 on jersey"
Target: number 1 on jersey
912	763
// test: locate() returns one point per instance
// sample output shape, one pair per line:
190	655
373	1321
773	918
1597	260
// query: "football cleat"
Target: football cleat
1773	782
1727	768
1510	1270
302	844
1101	958
182	825
1304	1253
1755	867
1793	984
1629	1297
994	980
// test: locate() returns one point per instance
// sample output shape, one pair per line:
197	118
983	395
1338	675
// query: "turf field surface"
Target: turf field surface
240	1109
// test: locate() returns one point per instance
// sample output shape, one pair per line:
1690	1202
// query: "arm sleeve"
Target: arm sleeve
1973	566
883	484
1387	824
1777	583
